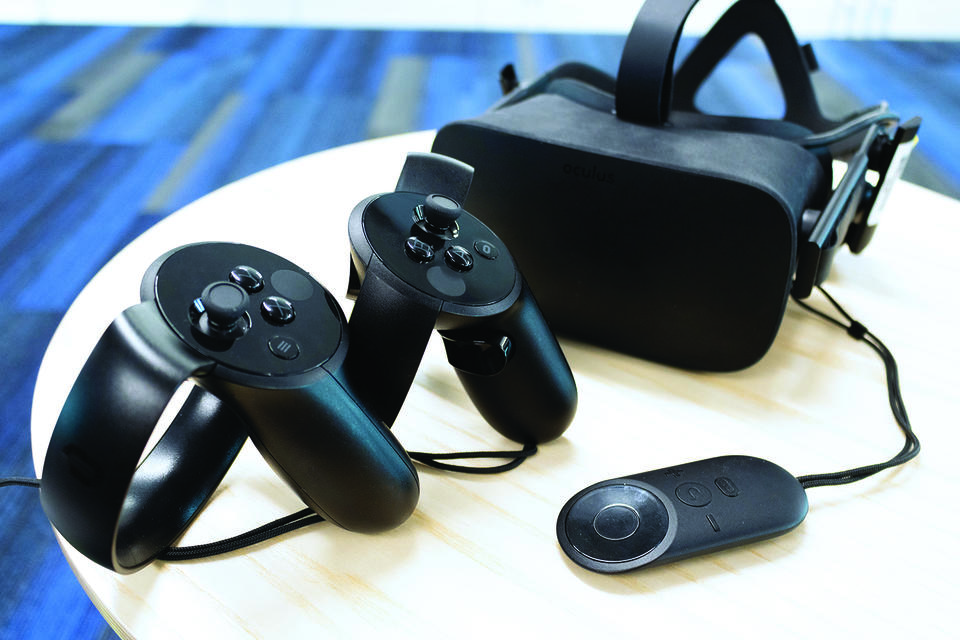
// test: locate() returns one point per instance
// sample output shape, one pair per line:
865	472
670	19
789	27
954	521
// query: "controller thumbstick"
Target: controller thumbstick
441	212
225	304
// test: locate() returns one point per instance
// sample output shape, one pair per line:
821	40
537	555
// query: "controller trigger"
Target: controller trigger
353	284
484	357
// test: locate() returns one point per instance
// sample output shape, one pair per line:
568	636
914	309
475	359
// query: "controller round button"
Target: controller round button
247	277
418	250
277	310
617	522
458	258
486	249
446	282
292	285
283	347
441	212
694	494
224	303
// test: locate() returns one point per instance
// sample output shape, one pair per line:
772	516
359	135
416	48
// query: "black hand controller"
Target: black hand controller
668	514
419	262
265	342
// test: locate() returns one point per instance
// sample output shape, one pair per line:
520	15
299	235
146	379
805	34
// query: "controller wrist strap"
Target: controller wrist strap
911	445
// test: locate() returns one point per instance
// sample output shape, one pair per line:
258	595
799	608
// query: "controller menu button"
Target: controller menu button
694	494
283	347
727	487
247	277
458	258
277	310
418	250
486	249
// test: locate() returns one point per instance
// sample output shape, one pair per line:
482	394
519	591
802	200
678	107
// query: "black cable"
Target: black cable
273	529
433	459
20	482
307	517
911	445
858	123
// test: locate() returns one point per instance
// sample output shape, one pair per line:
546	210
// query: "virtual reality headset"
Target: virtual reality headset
647	226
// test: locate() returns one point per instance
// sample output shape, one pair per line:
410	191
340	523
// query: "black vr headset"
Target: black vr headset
649	227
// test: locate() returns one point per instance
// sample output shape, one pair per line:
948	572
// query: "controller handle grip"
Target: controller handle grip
389	332
349	468
533	397
92	489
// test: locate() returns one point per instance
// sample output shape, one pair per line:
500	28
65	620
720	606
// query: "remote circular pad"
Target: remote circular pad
618	521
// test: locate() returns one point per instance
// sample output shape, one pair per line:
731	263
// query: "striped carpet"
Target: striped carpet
104	131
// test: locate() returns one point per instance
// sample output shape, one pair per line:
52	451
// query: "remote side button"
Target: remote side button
418	250
486	249
694	494
247	277
277	310
727	487
458	258
284	347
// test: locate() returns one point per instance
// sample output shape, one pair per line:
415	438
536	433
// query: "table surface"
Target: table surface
480	555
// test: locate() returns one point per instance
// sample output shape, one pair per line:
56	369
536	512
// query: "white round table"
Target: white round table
479	557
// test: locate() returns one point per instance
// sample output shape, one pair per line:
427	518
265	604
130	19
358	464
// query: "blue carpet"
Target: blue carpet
105	130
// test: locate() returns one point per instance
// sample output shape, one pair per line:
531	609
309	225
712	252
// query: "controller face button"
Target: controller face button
727	487
292	285
617	522
283	347
418	250
486	249
458	258
247	277
694	494
277	310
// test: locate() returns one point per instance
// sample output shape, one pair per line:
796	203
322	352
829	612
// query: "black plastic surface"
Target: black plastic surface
280	383
672	513
628	237
664	233
528	393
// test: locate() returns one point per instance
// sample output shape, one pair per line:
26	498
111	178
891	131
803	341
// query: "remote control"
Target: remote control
664	515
